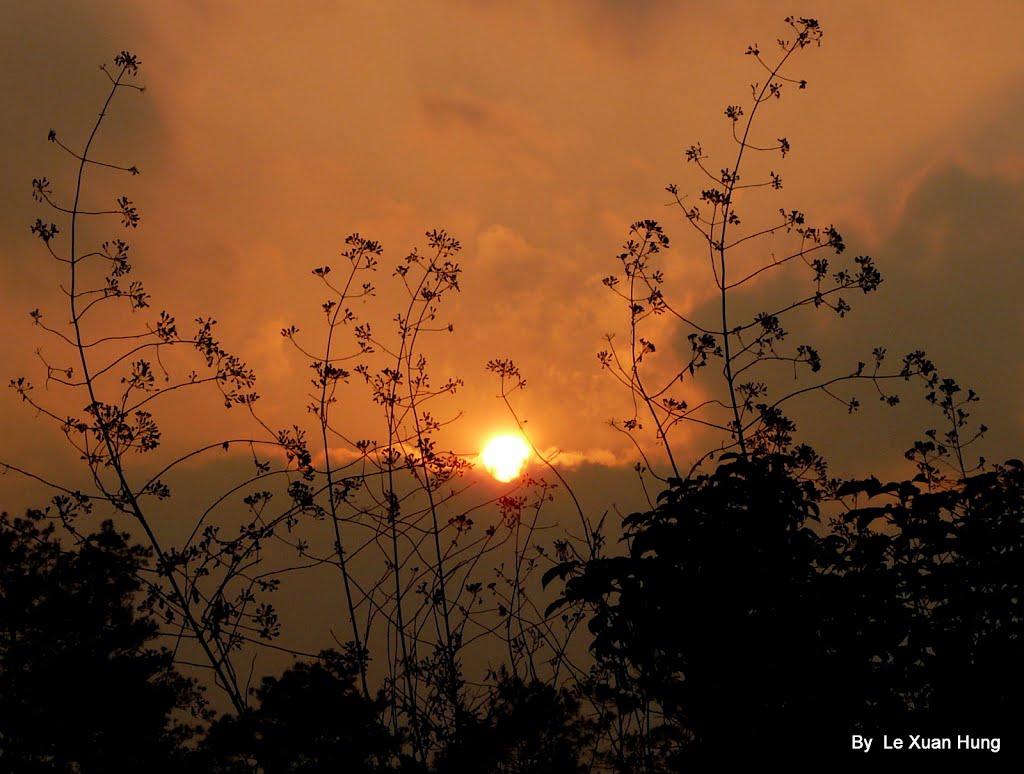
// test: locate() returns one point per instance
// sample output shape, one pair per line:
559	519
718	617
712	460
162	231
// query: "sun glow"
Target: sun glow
505	456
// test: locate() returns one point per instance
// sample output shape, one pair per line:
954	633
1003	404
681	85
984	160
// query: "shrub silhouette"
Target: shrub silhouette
935	588
312	718
82	687
389	515
888	618
526	727
764	598
710	626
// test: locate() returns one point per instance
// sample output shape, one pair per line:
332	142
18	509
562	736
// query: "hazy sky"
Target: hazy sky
534	133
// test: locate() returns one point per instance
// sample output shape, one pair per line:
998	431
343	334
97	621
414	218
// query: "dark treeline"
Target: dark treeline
734	622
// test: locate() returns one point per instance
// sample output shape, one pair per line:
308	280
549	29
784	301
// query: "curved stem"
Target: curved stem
720	247
329	472
219	663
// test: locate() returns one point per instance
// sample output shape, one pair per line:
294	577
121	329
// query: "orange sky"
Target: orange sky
534	133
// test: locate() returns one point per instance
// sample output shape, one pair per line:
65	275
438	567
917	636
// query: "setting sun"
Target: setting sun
505	456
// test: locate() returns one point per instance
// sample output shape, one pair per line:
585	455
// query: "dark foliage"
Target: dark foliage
527	727
738	614
713	620
934	580
311	719
81	686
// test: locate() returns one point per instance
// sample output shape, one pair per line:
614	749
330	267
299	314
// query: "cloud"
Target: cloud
574	459
951	287
268	136
443	112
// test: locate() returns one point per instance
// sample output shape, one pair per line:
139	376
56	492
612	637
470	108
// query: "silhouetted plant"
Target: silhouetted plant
739	251
83	686
526	727
933	579
785	618
397	507
313	718
205	591
396	503
905	614
761	633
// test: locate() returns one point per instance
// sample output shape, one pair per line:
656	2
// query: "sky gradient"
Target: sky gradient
534	134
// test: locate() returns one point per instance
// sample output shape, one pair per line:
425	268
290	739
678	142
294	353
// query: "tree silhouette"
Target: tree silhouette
82	688
898	617
933	581
312	718
711	625
389	514
763	598
525	727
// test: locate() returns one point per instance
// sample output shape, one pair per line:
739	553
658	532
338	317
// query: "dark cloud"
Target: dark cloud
956	283
953	276
624	27
50	80
445	112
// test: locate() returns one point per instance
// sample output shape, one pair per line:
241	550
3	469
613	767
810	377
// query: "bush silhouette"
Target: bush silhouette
312	718
711	621
764	598
525	727
82	686
738	612
390	514
935	589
